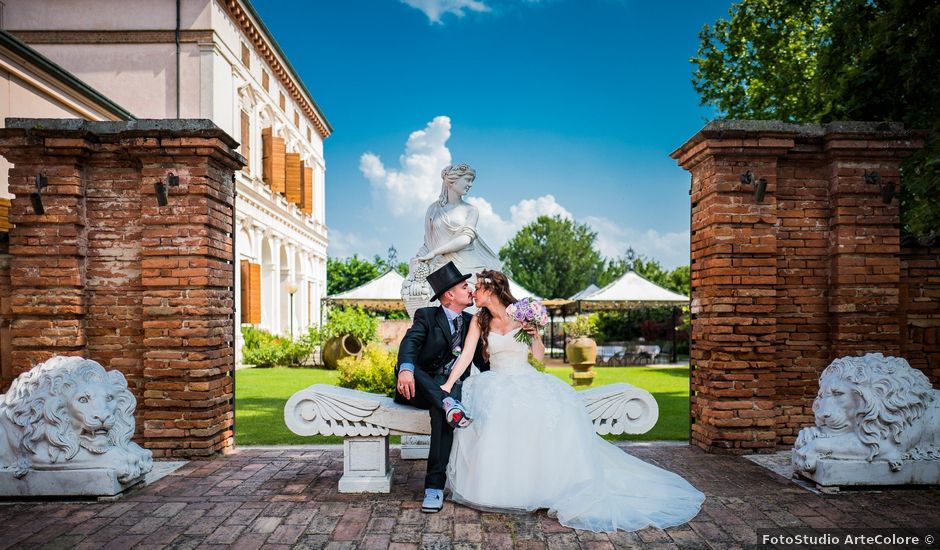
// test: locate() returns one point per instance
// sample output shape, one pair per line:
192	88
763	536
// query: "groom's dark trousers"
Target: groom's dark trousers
427	346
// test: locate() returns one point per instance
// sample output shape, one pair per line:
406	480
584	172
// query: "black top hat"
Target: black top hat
444	278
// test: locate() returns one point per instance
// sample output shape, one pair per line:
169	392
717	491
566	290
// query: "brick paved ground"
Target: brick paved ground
287	498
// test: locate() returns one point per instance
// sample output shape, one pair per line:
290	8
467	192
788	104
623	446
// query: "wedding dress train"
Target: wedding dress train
532	445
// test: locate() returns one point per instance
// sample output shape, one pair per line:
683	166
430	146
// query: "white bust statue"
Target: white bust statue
450	234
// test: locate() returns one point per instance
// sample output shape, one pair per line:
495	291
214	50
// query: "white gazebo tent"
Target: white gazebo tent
518	291
381	293
630	291
591	289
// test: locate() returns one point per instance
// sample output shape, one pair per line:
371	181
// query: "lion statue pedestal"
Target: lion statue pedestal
877	423
65	430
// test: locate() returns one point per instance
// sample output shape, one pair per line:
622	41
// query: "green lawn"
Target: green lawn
260	395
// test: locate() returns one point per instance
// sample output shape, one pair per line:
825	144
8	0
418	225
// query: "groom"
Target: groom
425	357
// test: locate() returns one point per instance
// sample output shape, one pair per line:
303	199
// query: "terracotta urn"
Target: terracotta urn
340	347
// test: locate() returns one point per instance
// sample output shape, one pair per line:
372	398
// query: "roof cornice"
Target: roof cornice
250	23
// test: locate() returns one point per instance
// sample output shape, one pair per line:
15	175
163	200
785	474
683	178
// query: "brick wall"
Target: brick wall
108	274
920	306
783	286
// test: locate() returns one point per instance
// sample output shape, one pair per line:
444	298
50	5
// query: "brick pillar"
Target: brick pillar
734	278
47	252
108	274
782	287
864	241
188	296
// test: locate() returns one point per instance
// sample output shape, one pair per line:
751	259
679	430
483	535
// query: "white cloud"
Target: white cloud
671	249
496	230
344	245
435	9
418	180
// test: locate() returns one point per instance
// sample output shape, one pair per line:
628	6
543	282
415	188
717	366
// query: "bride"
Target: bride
531	444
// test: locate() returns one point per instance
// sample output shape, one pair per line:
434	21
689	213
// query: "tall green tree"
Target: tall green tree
384	264
824	60
761	62
343	274
553	257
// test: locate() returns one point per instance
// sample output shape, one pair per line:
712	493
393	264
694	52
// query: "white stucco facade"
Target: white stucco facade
33	87
127	50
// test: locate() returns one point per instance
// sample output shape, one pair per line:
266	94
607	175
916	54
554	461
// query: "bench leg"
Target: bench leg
366	468
415	447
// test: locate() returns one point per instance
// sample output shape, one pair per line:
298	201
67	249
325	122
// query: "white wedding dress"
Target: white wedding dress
532	445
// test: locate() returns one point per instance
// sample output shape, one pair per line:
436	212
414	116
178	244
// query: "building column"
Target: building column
273	283
240	224
288	276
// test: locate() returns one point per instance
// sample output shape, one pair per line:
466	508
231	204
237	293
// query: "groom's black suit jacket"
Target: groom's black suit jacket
427	344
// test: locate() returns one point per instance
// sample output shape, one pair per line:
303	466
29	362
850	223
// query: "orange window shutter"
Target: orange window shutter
306	204
246	142
245	302
272	161
5	224
266	157
246	55
294	177
254	296
278	166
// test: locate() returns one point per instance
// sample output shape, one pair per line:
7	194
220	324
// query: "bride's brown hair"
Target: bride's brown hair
498	284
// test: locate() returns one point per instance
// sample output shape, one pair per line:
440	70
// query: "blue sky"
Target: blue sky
564	107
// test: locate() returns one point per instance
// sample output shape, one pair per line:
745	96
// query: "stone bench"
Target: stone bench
365	420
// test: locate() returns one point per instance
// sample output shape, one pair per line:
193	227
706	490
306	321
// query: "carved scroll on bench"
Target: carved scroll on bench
365	421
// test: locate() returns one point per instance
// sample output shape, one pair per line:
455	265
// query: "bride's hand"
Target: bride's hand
447	387
426	258
532	330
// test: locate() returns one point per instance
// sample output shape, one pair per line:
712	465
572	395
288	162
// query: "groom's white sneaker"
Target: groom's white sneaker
456	415
433	501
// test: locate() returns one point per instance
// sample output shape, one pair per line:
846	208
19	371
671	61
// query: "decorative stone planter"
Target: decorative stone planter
582	355
339	347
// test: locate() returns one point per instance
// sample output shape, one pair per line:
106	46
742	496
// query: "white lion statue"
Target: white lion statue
871	408
69	413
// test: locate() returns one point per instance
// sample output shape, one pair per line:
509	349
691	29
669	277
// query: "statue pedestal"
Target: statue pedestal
96	482
851	473
583	375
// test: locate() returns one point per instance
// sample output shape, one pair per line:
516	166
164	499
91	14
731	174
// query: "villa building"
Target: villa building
211	59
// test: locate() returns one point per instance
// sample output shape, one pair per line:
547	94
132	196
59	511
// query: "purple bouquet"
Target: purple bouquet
531	313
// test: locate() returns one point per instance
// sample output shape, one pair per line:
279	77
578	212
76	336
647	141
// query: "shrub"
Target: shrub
583	325
255	337
373	373
263	349
351	320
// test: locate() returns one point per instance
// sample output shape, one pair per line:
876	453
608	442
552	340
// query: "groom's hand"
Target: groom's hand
406	384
